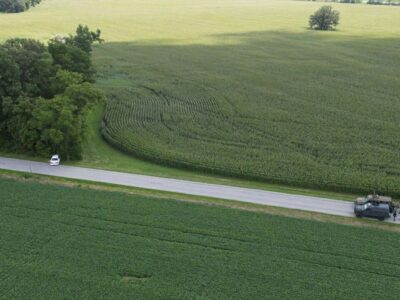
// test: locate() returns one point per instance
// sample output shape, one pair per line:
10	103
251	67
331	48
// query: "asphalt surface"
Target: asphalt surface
291	201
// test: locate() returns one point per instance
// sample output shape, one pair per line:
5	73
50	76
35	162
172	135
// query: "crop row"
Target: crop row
198	132
59	243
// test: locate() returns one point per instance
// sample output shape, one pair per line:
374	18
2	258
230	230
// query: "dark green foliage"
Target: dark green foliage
43	99
12	6
83	96
17	114
64	79
324	18
9	75
10	85
383	2
344	1
84	38
372	2
35	66
73	59
30	3
59	242
57	124
16	6
73	53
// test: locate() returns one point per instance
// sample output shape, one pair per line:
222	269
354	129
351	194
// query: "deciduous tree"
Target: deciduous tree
325	18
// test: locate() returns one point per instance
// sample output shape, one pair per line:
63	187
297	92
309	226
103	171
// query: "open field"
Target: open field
71	242
242	88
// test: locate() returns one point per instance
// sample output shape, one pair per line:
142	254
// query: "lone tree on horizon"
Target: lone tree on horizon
324	18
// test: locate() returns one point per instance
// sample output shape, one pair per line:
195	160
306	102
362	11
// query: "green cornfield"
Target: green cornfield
297	109
70	243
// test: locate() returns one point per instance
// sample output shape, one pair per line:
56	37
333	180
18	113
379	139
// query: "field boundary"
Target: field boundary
290	201
197	200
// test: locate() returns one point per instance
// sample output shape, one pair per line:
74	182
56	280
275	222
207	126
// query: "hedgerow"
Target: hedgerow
16	6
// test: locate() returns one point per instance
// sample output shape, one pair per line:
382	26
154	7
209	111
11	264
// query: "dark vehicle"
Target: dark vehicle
373	206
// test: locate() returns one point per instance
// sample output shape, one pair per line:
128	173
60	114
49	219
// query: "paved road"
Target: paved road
306	203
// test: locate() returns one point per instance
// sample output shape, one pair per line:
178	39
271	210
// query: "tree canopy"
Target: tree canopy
325	18
45	94
16	6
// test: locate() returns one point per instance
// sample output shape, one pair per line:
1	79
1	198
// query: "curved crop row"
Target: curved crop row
195	132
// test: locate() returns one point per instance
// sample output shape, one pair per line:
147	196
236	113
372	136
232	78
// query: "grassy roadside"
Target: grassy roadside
298	214
98	154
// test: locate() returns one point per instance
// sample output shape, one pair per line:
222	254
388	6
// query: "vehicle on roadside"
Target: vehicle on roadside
55	160
373	206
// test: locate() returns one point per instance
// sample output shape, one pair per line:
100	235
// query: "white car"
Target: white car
55	160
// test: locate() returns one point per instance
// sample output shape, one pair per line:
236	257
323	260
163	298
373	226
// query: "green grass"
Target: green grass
60	242
242	88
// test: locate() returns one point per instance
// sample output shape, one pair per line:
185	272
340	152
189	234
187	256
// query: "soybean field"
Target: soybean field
58	242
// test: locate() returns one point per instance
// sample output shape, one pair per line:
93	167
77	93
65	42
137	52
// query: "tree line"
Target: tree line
371	2
16	6
46	92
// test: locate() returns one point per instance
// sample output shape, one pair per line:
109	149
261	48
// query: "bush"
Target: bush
84	38
73	53
72	59
324	19
12	6
16	6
